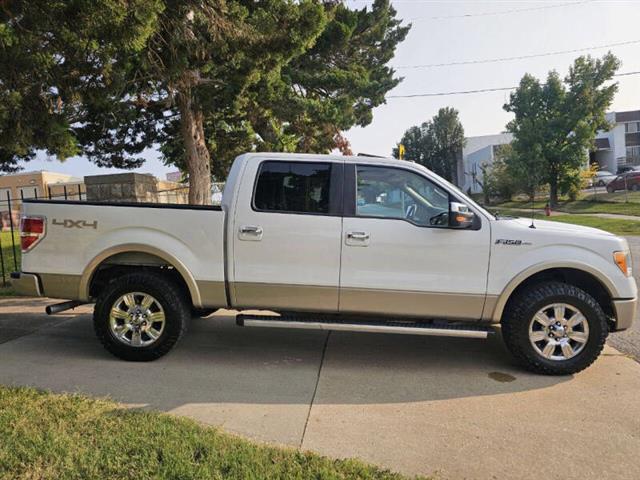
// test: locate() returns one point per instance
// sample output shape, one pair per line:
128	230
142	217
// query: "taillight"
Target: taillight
32	230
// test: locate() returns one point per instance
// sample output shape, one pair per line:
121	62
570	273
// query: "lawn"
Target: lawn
613	225
600	203
49	436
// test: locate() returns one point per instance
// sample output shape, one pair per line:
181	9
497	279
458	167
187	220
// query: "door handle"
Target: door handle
358	236
251	230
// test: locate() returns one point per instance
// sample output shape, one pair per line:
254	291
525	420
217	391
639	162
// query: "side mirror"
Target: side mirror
460	216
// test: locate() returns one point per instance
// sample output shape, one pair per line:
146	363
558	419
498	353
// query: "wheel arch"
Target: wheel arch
582	276
133	255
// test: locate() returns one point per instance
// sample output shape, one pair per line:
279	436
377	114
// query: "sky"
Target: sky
460	31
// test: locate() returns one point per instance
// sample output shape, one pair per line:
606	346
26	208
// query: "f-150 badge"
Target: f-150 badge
507	241
69	223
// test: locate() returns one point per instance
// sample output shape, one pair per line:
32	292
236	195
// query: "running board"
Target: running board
439	329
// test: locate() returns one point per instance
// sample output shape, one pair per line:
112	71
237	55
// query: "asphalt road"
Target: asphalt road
629	341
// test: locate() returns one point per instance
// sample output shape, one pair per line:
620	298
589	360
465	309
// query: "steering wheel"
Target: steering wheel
440	219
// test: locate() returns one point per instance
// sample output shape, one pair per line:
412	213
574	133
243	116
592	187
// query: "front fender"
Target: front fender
506	275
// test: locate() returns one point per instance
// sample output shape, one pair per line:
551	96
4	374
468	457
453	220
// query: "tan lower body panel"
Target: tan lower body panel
411	304
212	294
63	286
358	301
311	298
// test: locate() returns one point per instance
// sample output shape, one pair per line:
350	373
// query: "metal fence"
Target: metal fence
10	209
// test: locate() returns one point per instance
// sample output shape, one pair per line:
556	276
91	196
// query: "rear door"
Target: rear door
399	255
286	235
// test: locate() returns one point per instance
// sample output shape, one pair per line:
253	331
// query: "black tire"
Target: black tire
169	295
610	190
202	312
635	187
601	183
520	312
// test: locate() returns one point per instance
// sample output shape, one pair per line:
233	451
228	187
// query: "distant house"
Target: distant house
37	184
621	145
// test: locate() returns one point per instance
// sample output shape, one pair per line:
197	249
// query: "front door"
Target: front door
399	255
287	229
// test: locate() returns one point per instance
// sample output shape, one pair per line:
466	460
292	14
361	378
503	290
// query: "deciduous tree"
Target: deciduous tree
556	122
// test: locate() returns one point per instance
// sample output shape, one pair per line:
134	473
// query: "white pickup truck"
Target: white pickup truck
337	243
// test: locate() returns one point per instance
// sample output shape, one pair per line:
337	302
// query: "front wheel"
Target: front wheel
610	189
554	328
139	317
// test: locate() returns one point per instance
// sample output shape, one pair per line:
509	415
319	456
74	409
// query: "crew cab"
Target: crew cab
336	243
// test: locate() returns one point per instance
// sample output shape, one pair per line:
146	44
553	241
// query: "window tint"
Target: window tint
397	193
297	187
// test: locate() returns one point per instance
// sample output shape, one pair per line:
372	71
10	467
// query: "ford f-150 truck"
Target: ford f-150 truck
336	243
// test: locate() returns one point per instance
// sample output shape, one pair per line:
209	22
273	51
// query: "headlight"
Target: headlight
623	261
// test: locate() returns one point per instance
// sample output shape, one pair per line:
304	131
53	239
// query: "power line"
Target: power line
519	57
481	14
482	90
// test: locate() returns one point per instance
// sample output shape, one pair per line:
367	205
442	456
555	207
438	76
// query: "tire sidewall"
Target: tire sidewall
166	295
597	331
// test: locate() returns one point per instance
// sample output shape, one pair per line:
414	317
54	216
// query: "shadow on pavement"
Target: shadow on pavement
218	362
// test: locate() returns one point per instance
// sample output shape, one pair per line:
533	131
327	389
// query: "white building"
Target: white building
620	145
478	151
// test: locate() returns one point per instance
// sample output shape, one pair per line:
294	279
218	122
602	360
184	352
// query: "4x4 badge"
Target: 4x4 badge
68	223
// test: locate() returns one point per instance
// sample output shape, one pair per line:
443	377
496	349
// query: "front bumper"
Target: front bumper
625	311
26	284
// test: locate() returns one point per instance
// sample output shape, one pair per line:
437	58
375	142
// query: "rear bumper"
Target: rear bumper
625	312
26	284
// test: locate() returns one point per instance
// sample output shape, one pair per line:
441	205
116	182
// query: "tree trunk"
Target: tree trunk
197	156
553	191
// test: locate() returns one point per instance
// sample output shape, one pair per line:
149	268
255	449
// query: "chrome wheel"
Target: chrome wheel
137	319
558	331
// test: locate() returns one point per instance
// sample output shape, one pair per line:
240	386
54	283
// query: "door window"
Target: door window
388	192
293	187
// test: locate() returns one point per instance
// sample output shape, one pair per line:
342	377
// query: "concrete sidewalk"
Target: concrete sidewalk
458	408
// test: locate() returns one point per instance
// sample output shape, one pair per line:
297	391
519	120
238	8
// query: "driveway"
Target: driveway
457	408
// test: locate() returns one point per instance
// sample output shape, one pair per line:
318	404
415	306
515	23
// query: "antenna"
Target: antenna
533	203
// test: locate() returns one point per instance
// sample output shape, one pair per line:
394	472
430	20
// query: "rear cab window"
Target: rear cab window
294	187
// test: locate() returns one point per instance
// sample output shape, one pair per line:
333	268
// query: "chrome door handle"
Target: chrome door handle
358	235
251	230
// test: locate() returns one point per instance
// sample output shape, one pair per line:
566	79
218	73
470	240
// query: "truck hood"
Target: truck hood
561	227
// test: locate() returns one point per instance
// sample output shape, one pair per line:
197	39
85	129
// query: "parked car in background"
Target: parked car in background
628	168
628	181
602	178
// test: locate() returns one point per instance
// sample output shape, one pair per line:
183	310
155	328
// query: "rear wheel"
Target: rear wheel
635	187
140	317
554	328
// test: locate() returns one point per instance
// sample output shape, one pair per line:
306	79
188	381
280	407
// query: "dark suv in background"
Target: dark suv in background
630	179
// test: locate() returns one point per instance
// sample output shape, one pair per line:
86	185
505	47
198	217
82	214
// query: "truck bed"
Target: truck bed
188	238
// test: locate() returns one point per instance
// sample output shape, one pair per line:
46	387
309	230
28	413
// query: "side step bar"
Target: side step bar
440	329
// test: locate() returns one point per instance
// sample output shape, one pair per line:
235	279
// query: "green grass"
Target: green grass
613	225
8	256
601	203
48	436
